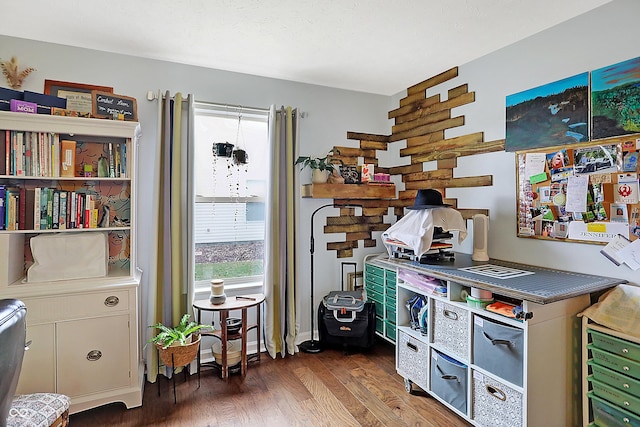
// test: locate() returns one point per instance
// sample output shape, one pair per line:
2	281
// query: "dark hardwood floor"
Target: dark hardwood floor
325	389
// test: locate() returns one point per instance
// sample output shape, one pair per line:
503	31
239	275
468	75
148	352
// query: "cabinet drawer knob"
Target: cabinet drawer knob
94	355
626	420
625	385
625	368
111	301
625	350
450	314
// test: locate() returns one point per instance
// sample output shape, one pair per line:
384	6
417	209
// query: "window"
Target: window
229	195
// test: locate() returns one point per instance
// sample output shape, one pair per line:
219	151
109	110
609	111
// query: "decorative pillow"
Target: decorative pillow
37	409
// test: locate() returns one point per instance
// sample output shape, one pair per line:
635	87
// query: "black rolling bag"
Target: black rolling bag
345	320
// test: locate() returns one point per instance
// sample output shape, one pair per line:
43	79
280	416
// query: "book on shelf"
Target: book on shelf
68	158
2	207
117	161
72	210
12	208
5	152
37	192
44	195
49	217
55	210
62	222
22	208
112	166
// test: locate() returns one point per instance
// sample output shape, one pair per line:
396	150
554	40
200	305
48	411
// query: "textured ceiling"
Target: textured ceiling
376	46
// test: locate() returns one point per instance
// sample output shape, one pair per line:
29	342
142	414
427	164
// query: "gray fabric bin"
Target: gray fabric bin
498	348
449	380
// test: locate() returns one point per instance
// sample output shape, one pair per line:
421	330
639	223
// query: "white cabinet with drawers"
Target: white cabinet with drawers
82	316
490	369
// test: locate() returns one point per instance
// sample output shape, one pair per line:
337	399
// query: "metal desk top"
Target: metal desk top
527	282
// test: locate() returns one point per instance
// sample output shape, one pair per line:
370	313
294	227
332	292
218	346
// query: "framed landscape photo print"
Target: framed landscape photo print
615	99
553	114
78	95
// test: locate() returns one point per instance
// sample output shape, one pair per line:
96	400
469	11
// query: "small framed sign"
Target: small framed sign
78	95
111	106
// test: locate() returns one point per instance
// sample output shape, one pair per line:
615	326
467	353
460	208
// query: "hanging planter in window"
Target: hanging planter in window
223	149
240	156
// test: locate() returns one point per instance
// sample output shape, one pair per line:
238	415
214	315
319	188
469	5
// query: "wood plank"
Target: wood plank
401	170
458	91
373	145
362	235
410	99
422	130
375	211
324	404
345	253
367	137
369	203
413	107
348	191
473	181
348	151
407	195
444	145
433	81
434	117
340	246
450	163
436	174
368	243
426	138
350	220
449	104
460	151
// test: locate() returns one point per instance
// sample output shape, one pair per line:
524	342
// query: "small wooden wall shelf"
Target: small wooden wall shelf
349	191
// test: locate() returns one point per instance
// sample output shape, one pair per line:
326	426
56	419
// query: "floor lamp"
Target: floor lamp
313	346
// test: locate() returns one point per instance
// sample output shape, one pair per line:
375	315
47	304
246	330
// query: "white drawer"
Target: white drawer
451	329
413	359
494	403
73	306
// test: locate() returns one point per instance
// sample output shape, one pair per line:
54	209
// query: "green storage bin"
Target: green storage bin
615	362
606	414
614	379
379	310
390	331
390	301
391	277
373	295
376	287
379	325
374	271
615	345
620	398
390	312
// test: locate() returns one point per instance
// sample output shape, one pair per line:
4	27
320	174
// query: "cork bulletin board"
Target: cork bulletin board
584	192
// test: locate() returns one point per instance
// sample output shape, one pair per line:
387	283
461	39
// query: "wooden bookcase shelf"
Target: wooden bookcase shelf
348	191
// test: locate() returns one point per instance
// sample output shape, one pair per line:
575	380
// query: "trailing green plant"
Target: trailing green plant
327	162
180	333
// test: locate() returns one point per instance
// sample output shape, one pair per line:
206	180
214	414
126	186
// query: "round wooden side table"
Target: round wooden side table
239	302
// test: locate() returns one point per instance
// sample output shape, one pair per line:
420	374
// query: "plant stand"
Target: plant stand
176	357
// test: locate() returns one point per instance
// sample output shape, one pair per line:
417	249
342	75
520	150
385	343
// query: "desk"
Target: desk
240	302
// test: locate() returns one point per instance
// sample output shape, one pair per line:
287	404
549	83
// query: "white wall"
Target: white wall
604	36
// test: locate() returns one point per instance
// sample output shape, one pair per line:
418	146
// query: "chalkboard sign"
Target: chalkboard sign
111	106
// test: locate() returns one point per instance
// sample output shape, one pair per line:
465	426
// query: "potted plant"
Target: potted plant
179	345
321	167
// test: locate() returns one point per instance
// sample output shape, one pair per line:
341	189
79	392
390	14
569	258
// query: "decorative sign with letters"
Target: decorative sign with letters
111	106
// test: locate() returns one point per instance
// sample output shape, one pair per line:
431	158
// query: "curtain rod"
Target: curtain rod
151	96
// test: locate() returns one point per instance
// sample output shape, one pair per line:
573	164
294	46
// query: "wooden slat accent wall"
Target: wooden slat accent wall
422	121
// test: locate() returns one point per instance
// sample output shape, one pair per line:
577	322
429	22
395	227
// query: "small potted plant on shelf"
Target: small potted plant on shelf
321	167
179	345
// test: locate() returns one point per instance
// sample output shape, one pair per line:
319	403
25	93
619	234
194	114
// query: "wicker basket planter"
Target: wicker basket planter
182	354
